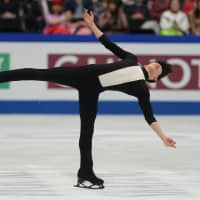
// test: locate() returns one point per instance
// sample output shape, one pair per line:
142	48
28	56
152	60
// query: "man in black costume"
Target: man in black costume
125	75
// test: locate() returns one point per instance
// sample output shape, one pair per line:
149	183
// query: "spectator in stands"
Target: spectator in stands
113	19
99	7
75	9
157	7
138	17
188	6
174	21
129	5
32	16
9	16
194	18
56	20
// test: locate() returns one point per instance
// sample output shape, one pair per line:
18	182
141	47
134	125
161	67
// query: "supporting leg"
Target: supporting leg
88	101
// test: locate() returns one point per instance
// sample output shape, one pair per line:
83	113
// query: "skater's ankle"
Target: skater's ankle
85	173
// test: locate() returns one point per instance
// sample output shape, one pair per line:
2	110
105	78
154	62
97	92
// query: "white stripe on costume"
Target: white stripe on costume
125	75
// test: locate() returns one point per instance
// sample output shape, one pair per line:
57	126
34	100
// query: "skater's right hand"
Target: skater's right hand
169	142
88	17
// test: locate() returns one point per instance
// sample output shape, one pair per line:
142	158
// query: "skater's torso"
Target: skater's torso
125	75
117	75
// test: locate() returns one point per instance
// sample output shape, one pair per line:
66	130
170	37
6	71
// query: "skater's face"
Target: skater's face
154	70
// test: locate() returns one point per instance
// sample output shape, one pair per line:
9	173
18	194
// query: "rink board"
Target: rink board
104	107
178	94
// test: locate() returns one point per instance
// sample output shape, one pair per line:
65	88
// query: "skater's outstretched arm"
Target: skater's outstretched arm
145	105
118	51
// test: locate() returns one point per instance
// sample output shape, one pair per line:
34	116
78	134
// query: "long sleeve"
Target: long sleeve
118	51
144	102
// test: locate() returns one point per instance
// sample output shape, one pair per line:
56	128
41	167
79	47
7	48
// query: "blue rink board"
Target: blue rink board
105	107
127	38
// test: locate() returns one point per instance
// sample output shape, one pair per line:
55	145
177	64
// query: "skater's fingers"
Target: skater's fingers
171	145
85	10
91	13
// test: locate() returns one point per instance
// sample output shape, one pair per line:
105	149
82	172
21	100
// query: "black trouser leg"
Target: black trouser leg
67	76
88	101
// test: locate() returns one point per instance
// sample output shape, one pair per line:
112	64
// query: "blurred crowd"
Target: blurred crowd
163	17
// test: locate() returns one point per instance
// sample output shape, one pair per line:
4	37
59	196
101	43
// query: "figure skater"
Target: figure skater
126	75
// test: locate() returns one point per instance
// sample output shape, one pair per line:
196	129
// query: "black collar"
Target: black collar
145	73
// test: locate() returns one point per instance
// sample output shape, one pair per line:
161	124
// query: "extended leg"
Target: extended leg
88	101
67	76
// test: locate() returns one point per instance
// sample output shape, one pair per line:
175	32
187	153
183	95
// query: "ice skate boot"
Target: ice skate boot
89	182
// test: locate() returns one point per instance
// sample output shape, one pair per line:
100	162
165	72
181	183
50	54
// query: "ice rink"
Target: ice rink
40	157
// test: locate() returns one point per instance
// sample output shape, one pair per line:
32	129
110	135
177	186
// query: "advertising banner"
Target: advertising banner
4	65
182	86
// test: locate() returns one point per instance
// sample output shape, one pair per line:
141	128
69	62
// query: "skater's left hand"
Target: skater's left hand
169	142
88	17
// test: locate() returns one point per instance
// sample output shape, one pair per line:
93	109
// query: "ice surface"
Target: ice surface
40	157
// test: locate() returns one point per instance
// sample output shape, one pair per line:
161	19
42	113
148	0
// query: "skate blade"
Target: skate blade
88	185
